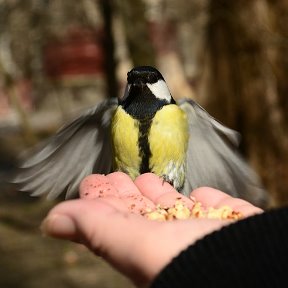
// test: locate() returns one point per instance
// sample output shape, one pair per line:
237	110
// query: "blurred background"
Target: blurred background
58	57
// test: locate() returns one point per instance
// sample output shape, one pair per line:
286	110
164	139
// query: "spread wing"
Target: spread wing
79	148
213	159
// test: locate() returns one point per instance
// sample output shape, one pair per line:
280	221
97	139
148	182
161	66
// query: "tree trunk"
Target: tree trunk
242	90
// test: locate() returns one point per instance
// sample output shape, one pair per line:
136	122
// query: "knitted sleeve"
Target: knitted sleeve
252	252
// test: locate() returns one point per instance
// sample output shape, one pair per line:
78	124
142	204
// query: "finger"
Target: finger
58	222
129	193
97	186
158	191
124	184
117	185
248	209
210	197
152	186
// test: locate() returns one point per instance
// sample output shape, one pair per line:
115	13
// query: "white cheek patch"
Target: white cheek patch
160	90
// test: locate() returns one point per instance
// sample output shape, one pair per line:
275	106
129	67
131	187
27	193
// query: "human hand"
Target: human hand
137	247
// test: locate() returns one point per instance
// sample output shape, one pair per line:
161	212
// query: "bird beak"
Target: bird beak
138	83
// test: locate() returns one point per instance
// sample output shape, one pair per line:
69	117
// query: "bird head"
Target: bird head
146	92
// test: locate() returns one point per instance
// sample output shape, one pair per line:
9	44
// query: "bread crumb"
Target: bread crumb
179	211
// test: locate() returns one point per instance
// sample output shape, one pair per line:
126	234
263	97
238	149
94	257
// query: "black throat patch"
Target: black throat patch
141	103
144	147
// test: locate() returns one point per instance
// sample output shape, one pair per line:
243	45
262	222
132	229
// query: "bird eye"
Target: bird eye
152	78
132	76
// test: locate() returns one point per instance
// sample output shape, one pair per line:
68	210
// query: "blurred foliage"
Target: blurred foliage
135	23
230	56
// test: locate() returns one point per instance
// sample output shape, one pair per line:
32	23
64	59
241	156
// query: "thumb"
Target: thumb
107	231
90	222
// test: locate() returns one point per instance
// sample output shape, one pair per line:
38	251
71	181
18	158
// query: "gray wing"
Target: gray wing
213	159
79	148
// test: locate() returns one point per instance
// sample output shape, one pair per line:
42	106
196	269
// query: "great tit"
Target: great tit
145	130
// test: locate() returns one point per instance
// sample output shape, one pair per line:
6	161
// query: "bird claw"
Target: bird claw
165	178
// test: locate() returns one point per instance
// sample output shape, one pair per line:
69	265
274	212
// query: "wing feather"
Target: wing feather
213	159
79	148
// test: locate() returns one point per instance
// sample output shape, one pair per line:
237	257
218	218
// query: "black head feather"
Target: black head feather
139	100
146	74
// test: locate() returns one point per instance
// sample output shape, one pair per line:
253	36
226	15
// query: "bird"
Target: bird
143	130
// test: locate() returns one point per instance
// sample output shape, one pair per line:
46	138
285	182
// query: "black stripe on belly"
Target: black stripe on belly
144	147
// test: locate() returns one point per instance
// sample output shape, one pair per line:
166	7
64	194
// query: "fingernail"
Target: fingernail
58	226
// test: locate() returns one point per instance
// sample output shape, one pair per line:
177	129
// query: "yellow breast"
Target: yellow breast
125	134
168	140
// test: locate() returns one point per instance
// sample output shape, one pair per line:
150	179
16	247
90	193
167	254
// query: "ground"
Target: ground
30	260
